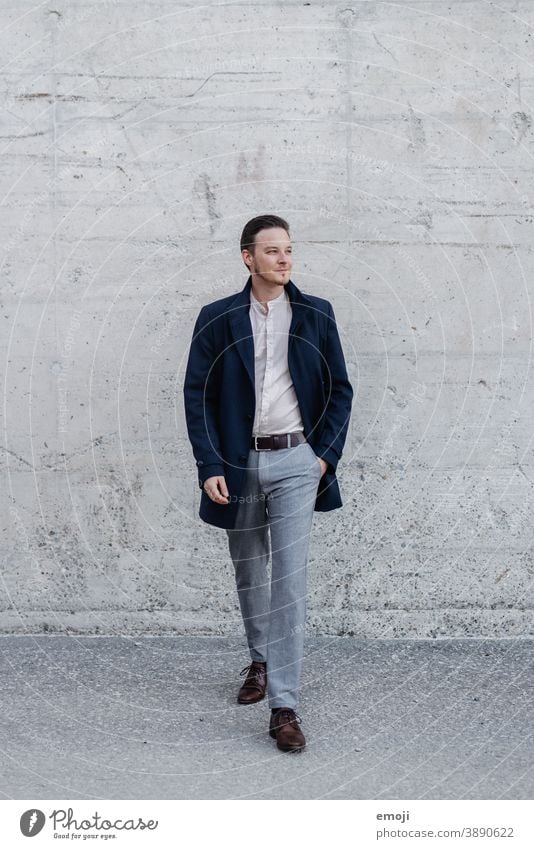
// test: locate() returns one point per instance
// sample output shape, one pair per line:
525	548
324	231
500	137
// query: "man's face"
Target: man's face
272	259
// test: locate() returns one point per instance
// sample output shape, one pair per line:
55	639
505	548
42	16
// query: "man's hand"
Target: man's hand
216	489
324	465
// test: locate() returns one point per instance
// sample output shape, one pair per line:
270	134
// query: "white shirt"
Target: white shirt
277	408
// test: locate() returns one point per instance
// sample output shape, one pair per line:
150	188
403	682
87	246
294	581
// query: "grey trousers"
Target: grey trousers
275	517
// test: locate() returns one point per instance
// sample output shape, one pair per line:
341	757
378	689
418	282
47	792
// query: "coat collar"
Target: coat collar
241	326
296	297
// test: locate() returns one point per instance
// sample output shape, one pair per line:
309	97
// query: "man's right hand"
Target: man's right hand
216	489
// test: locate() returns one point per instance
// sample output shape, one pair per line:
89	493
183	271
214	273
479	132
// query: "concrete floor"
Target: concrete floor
157	718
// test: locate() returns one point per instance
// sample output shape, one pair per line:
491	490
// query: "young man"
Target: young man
267	404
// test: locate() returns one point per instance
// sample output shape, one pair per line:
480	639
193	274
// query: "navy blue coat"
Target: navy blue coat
220	399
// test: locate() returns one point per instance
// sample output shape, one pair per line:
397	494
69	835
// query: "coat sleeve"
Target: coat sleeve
339	397
201	400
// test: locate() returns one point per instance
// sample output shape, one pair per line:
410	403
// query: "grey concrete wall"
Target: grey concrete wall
137	139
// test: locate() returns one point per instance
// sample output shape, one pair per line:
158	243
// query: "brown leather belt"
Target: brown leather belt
277	440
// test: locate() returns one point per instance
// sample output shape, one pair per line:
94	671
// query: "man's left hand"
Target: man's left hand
324	465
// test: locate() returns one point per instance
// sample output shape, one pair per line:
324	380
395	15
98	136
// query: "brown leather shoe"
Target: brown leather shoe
253	689
284	728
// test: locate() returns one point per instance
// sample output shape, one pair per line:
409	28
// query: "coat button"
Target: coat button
249	415
243	458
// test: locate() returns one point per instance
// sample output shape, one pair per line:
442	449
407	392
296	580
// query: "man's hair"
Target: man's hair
261	222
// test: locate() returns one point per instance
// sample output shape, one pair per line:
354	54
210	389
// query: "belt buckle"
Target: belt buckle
256	445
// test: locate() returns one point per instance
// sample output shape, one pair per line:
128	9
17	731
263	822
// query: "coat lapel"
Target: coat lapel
241	327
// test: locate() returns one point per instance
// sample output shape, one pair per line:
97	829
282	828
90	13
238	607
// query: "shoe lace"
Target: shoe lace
252	670
286	715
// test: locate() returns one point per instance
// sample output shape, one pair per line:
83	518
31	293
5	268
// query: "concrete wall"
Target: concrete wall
397	139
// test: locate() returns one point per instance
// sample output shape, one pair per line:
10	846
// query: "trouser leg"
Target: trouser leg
291	484
249	549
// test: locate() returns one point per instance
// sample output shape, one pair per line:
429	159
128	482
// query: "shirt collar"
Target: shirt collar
257	306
